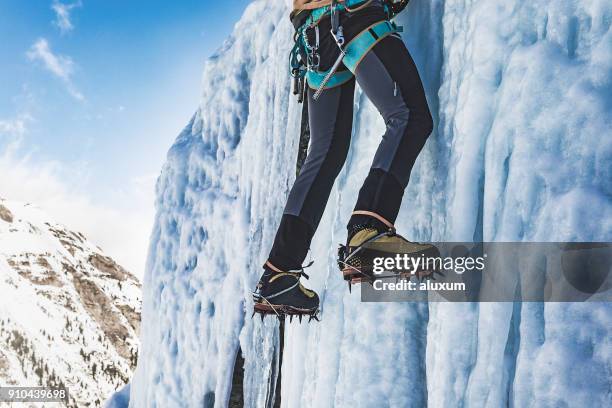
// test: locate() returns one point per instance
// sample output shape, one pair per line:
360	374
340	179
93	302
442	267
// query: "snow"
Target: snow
520	92
62	318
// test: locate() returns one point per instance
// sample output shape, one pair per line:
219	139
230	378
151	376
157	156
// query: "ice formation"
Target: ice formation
521	96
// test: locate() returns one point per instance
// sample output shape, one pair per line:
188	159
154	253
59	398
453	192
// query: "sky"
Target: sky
92	95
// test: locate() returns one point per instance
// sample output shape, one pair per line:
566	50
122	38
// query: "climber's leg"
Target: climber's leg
279	290
389	77
330	118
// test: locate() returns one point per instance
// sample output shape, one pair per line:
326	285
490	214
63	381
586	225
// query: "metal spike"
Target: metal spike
350	287
253	315
290	318
310	318
300	317
262	316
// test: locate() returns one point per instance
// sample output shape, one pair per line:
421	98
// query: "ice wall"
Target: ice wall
520	91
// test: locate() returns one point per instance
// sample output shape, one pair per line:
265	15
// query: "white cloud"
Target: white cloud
122	233
14	129
59	65
62	15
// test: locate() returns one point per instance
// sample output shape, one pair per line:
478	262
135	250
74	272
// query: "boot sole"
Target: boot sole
357	276
264	308
364	274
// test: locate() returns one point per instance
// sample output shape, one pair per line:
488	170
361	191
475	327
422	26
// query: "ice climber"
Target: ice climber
339	43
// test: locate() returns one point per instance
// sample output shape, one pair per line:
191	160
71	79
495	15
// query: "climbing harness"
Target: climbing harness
305	59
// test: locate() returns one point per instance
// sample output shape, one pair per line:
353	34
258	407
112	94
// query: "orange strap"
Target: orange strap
274	268
352	10
373	214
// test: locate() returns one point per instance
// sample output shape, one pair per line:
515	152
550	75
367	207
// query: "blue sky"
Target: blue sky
92	95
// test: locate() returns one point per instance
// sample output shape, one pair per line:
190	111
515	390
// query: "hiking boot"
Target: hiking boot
281	293
365	243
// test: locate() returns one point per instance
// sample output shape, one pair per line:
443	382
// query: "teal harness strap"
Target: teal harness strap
363	42
355	51
315	79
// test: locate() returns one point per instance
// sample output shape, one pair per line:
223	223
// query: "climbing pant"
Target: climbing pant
388	76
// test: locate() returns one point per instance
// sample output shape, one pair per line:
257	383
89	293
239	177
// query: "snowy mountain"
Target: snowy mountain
520	92
69	315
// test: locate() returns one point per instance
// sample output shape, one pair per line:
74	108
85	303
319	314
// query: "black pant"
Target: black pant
388	76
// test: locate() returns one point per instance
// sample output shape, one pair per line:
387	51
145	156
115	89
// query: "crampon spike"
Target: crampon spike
350	287
290	318
253	315
300	317
262	316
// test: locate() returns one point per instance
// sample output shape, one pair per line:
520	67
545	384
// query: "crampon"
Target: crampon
280	294
282	311
356	259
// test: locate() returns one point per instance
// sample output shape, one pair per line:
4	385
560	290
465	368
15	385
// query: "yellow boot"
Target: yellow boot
369	247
